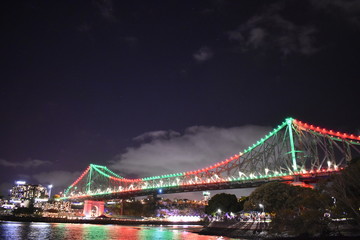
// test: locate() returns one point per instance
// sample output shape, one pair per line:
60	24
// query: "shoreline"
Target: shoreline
127	222
261	230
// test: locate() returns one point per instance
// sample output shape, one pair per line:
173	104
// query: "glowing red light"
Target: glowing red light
325	131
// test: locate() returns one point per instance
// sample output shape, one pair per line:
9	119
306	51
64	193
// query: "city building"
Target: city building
22	192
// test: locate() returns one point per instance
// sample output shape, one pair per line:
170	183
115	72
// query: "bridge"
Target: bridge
293	152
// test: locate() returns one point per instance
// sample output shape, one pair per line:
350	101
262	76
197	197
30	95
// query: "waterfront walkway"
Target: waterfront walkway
237	228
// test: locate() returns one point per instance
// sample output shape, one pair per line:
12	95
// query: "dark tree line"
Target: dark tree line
223	202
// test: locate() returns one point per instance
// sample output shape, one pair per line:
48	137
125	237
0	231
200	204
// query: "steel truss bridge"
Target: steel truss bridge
293	151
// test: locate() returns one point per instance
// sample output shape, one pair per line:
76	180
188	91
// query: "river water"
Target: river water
25	230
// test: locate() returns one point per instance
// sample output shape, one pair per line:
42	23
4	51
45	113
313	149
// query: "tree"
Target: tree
297	210
134	208
272	195
344	188
28	211
223	201
242	202
150	206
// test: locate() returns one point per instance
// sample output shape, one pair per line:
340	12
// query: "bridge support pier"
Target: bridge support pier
93	208
122	207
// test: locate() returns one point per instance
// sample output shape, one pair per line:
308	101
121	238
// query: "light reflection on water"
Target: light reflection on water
23	230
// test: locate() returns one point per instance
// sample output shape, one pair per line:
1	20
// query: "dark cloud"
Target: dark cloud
59	179
31	163
106	9
346	9
157	135
270	30
164	152
203	54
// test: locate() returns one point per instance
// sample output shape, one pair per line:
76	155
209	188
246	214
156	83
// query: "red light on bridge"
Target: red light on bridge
306	175
325	131
287	177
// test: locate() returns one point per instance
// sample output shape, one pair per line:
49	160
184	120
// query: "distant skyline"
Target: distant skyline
158	87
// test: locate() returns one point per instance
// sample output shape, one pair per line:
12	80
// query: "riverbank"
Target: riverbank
130	222
261	230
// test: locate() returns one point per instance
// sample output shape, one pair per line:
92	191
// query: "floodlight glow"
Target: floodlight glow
184	218
20	182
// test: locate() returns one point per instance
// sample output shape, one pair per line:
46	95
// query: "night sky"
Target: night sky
158	87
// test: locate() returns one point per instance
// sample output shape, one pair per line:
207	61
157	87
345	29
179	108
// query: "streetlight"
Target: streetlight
334	200
50	187
262	206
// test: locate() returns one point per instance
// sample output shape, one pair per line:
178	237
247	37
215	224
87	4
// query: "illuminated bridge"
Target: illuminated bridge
293	152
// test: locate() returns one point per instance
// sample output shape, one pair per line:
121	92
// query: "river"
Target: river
35	230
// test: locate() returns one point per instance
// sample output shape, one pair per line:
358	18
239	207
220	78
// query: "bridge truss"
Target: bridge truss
292	151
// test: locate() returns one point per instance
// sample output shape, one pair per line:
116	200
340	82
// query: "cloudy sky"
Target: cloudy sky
157	87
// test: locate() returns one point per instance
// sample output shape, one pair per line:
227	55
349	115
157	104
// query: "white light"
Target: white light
219	210
20	182
262	206
50	187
